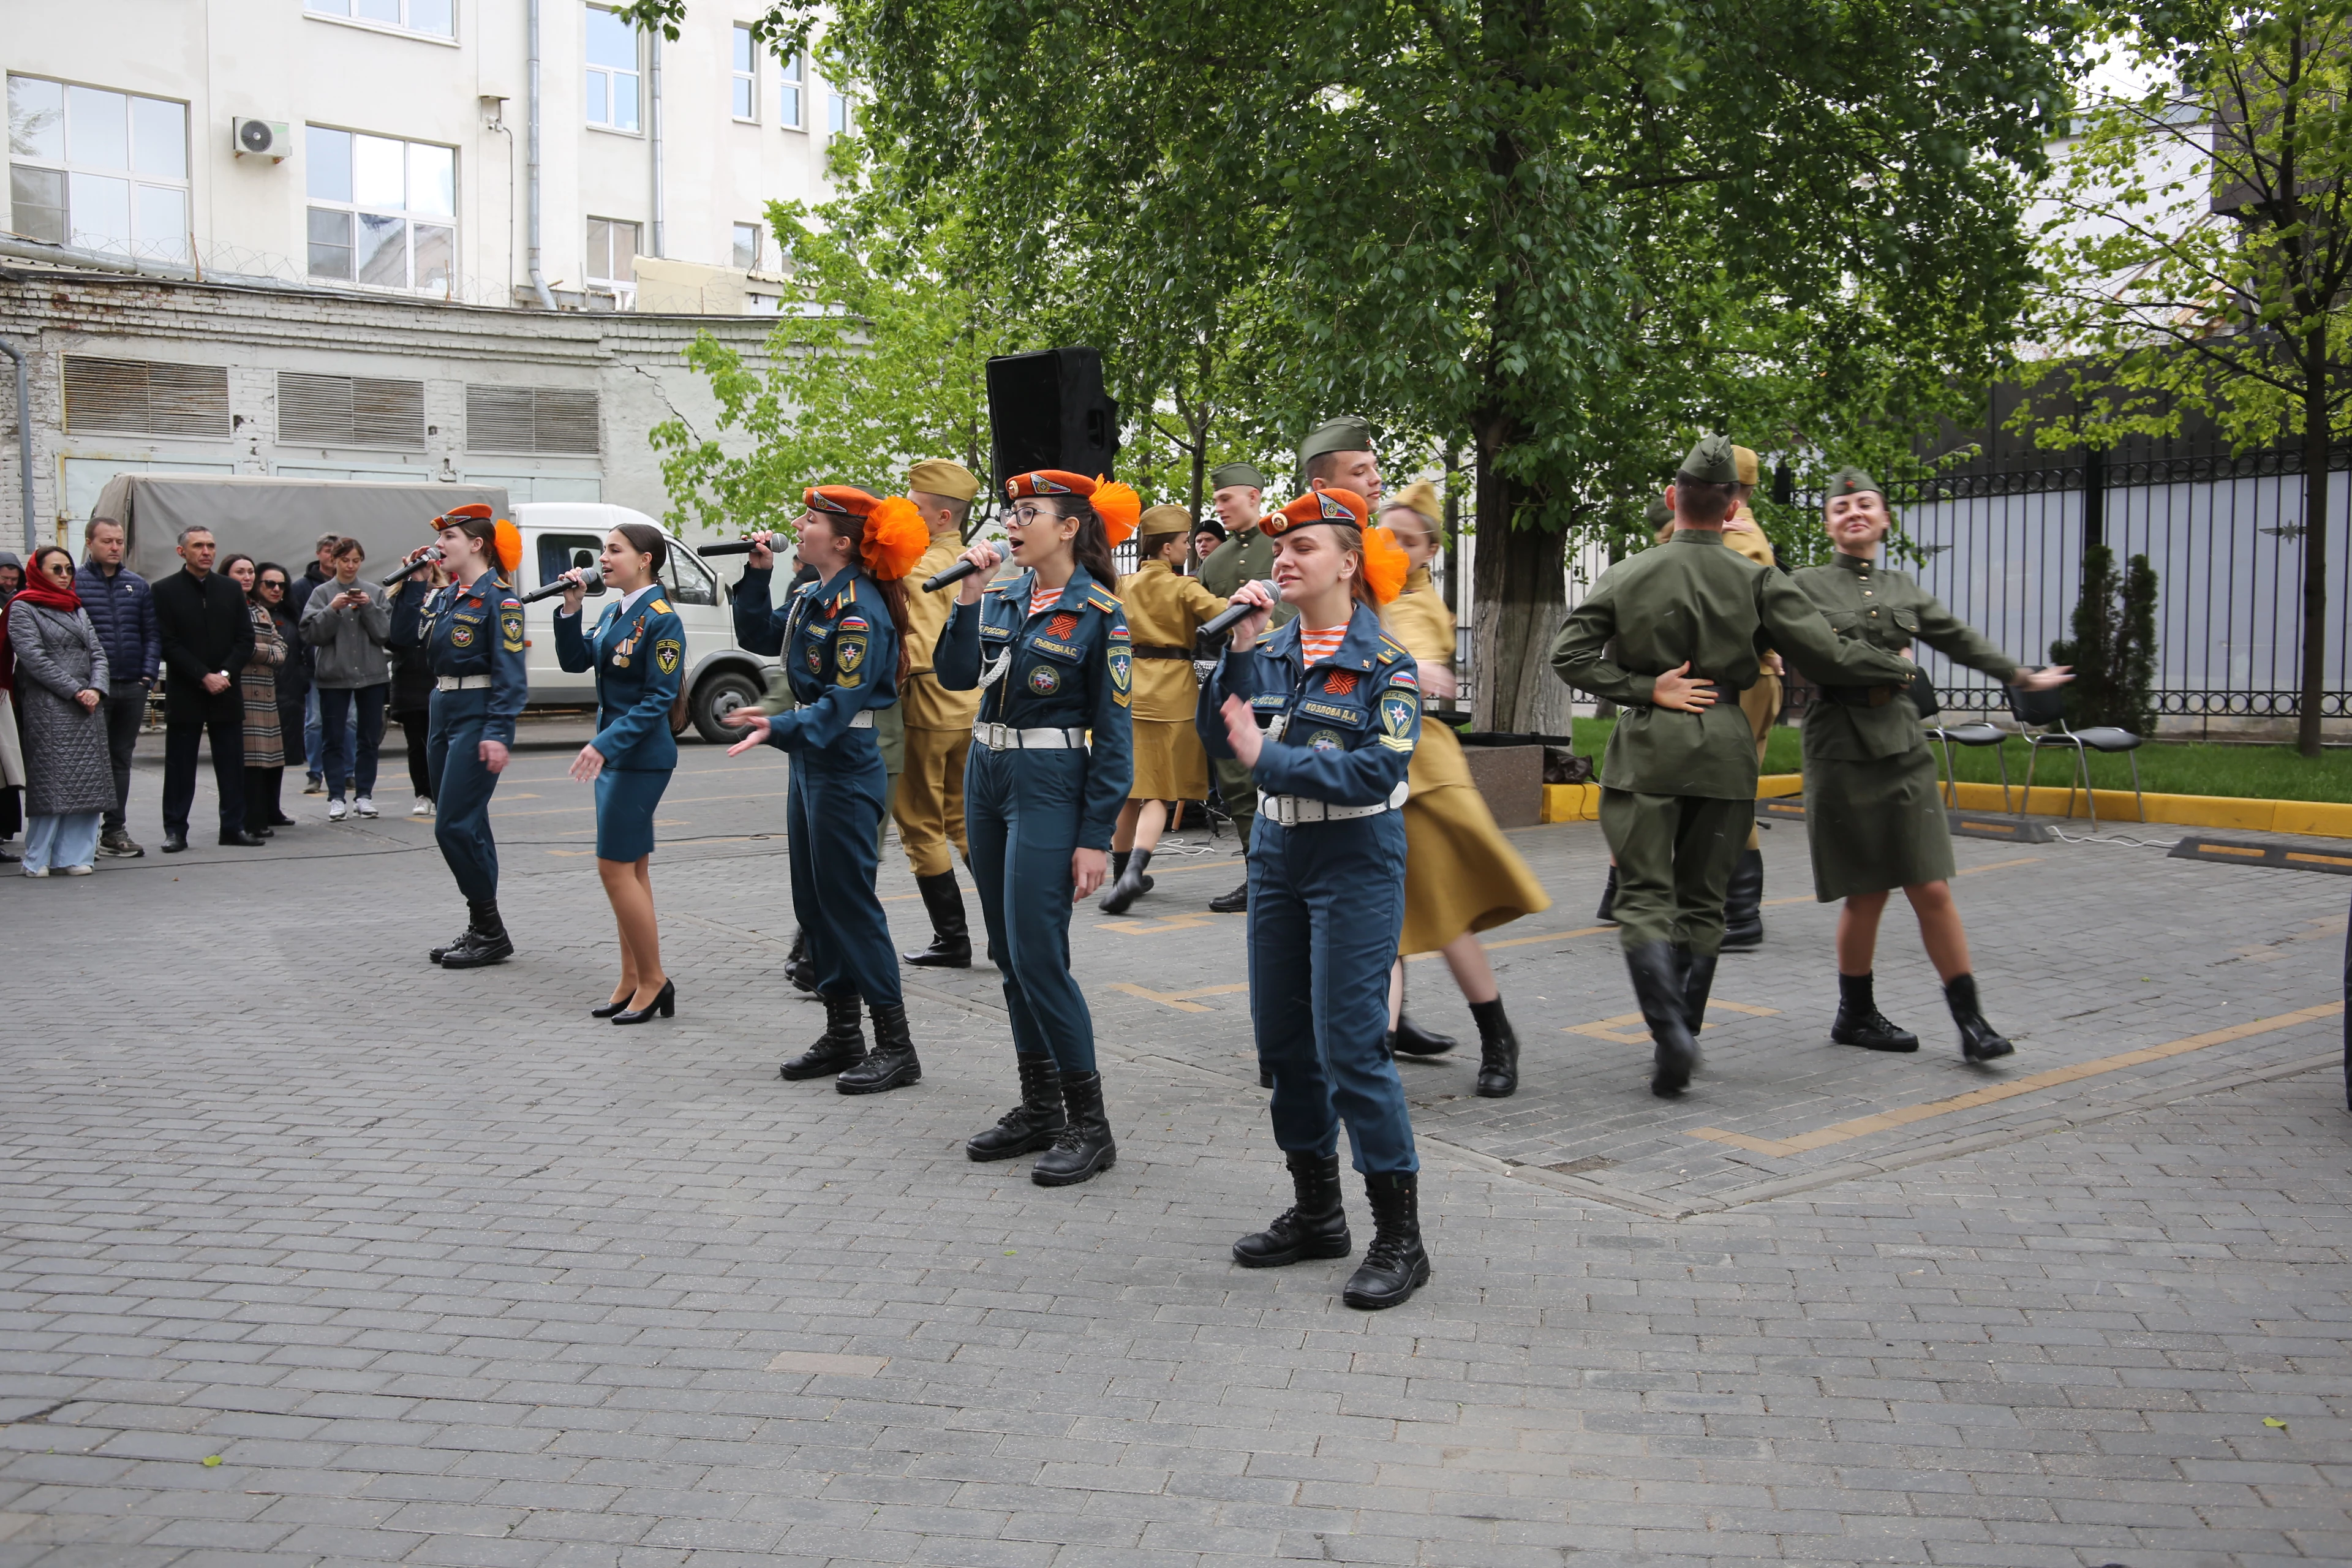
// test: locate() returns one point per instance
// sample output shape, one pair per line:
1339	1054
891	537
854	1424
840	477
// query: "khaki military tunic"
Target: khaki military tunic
1164	610
928	798
1871	812
1246	557
1678	789
1460	873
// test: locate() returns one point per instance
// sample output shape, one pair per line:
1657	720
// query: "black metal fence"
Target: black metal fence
2004	550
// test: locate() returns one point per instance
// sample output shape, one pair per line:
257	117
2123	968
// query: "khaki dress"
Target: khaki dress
1164	609
1460	873
1872	815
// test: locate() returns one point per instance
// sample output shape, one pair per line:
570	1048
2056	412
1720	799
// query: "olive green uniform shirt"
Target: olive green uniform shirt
1246	557
1866	603
1693	599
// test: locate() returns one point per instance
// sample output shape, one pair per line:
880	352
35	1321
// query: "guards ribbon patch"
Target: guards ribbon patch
1061	626
1339	682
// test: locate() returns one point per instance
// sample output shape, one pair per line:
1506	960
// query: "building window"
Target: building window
793	70
747	245
433	16
105	171
382	210
612	252
836	114
611	70
746	78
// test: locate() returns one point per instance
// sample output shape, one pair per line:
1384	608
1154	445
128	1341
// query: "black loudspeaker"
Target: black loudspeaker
1046	410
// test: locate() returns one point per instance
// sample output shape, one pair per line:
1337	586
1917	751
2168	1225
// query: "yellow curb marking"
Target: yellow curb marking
1863	1126
1180	1000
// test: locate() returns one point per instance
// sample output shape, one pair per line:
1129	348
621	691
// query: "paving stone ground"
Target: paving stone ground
441	1271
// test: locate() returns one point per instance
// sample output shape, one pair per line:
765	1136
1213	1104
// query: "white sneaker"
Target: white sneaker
78	871
335	810
423	807
365	807
37	871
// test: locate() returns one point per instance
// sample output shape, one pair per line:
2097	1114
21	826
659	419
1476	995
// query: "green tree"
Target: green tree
2201	252
2113	650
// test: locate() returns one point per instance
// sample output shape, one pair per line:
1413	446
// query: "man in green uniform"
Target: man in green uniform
1238	492
1678	781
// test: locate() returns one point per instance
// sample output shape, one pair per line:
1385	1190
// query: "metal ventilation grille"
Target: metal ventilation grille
146	399
349	411
534	419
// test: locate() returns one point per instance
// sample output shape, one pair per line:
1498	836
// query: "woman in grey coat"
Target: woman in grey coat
57	668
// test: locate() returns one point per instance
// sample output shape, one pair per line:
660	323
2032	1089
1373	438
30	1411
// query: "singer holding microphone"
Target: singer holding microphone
845	653
637	650
472	634
1050	654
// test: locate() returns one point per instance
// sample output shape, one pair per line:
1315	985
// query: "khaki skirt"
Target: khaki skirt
1875	825
1169	762
1460	873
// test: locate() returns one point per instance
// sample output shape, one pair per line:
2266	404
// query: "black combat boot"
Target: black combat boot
1083	1149
892	1063
1394	1265
1979	1040
1412	1039
1698	985
798	969
1315	1226
1030	1125
950	935
462	939
1658	987
842	1045
1743	905
1237	902
486	940
1128	882
1498	1051
1607	913
1860	1022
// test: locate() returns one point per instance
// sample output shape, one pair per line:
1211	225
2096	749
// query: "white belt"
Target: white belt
861	720
1290	810
462	682
1007	738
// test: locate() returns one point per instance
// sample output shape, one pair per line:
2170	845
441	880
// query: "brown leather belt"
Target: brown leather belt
1162	650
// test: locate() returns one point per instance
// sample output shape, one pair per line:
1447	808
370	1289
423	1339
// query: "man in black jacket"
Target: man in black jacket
207	637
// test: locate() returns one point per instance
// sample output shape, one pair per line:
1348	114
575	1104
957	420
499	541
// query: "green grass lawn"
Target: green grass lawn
2166	767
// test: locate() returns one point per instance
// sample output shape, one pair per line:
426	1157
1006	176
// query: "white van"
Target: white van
720	676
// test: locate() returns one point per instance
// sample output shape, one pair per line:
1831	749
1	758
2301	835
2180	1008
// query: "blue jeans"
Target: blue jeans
337	722
54	841
314	740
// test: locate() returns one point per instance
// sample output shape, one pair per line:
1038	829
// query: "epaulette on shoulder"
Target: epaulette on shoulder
1392	650
1098	597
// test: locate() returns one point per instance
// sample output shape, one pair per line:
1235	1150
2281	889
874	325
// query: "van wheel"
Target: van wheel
716	697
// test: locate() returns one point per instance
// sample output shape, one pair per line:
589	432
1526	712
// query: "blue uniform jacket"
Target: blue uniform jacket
839	649
639	658
1349	722
1068	666
471	628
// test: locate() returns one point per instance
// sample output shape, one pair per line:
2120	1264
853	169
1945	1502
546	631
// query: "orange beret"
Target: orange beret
1344	507
474	511
1047	483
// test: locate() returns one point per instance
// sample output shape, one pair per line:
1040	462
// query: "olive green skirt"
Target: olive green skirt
1875	825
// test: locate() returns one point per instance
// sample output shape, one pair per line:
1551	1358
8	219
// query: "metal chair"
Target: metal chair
1950	735
2043	716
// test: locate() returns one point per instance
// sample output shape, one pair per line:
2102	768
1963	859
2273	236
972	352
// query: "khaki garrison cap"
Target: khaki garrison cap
938	477
1236	474
1746	462
1710	463
1159	522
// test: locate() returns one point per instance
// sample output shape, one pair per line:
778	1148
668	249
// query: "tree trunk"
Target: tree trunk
1520	593
2314	562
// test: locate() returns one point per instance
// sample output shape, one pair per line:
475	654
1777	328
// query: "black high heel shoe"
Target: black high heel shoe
666	1004
609	1008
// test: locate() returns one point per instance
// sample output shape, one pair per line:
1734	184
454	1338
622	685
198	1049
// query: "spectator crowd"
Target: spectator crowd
272	669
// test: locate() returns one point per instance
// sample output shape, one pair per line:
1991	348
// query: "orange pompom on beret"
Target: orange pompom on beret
506	539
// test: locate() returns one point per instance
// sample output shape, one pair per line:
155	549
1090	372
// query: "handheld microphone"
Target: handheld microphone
1224	619
432	554
561	585
733	547
951	576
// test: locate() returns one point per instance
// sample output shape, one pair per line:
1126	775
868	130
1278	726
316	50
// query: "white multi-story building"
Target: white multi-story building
234	226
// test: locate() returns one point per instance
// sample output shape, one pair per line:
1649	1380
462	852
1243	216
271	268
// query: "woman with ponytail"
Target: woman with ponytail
843	641
1326	866
1052	757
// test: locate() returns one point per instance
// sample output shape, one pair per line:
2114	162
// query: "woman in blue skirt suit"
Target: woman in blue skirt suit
638	650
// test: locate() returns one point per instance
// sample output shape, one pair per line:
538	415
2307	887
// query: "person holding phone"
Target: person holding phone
637	651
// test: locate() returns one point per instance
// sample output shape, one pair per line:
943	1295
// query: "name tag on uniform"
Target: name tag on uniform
1046	645
1336	713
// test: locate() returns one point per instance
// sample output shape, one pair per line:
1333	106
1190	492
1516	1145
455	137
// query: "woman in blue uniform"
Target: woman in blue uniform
637	650
1050	649
844	647
471	632
1326	866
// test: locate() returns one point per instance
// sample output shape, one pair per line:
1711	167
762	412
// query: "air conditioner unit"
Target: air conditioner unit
263	139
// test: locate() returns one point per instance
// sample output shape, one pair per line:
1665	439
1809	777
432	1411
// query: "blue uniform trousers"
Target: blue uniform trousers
1021	817
831	807
461	791
1326	906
